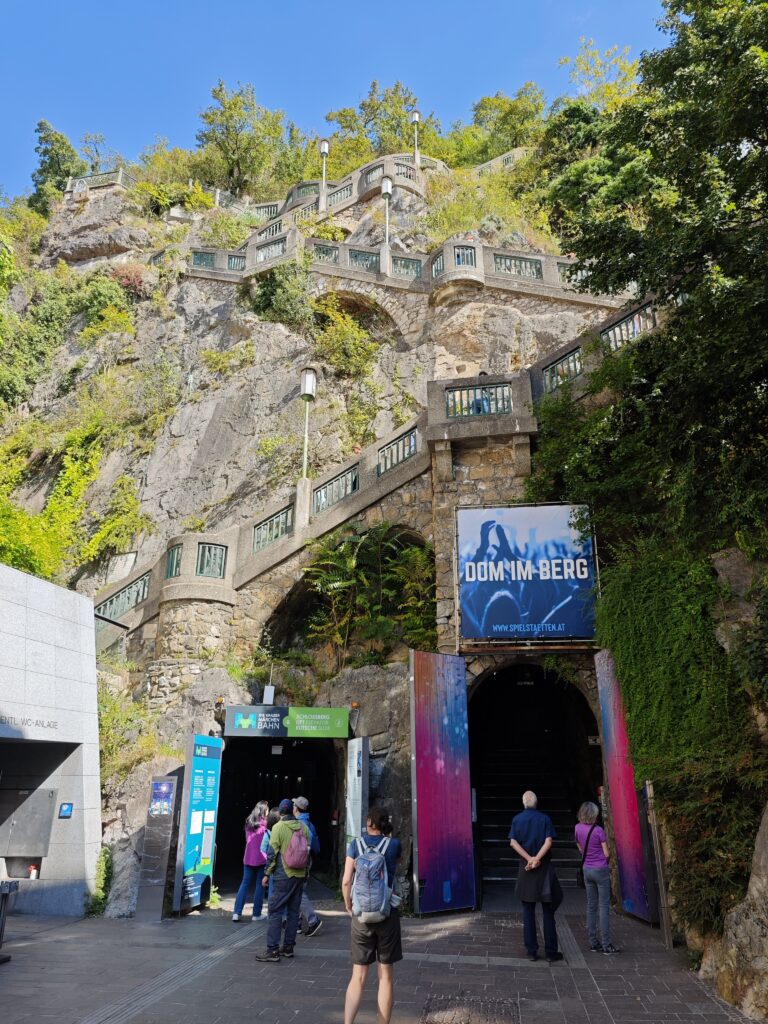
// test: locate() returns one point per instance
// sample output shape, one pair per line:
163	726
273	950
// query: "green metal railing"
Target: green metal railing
438	265
235	262
478	400
397	451
330	494
270	251
204	260
211	560
125	599
520	266
405	171
464	256
326	253
630	327
272	529
310	189
565	369
402	266
568	273
340	195
374	174
173	562
364	260
272	230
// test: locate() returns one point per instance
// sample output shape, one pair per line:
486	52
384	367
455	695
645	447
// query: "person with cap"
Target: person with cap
289	875
310	921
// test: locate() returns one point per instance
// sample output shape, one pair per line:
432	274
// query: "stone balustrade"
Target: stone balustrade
87	182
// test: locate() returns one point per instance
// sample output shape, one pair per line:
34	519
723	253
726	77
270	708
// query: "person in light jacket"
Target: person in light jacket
253	863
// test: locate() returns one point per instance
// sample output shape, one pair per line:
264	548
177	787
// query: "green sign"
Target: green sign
318	722
268	720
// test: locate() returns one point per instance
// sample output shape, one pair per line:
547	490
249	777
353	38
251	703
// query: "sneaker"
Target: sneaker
269	956
314	928
533	957
287	952
610	949
236	917
595	947
554	957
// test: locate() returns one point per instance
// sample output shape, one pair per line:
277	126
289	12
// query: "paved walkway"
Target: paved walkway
458	969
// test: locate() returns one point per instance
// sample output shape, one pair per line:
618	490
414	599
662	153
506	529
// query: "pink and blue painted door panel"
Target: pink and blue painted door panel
444	868
625	810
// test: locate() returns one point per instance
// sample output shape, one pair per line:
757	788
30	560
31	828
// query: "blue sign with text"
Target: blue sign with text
202	781
526	572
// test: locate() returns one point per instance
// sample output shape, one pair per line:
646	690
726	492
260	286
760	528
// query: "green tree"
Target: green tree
58	161
509	122
244	136
604	78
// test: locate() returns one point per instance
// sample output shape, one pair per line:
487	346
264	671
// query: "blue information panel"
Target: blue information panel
201	803
526	573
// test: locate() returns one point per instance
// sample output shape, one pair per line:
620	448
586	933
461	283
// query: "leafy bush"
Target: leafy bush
101	885
224	231
133	278
342	342
156	198
9	271
233	359
282	295
110	320
376	587
121	523
127	734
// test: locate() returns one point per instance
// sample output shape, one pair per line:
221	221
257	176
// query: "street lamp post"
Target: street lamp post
386	191
322	204
308	393
415	118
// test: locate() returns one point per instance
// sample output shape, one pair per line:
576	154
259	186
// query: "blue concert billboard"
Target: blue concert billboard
526	573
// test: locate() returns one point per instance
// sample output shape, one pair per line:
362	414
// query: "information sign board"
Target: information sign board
194	862
291	722
357	787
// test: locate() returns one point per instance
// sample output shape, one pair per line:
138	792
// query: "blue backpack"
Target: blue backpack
371	896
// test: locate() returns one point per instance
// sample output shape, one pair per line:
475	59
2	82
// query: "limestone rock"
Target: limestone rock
738	963
96	229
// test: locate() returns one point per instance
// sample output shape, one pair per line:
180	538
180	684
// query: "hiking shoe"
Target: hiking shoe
269	956
595	947
236	917
554	957
610	949
314	928
287	952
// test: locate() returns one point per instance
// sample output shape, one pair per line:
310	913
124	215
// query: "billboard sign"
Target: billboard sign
194	859
294	723
526	573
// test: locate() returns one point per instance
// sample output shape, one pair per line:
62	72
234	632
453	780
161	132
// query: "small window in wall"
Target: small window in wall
211	560
173	562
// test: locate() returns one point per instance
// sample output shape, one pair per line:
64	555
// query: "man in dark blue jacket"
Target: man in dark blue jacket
531	837
308	916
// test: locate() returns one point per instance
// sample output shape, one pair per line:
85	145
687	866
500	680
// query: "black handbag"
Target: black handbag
580	870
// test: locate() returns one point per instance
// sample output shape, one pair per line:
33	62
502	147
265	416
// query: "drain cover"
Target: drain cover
469	1010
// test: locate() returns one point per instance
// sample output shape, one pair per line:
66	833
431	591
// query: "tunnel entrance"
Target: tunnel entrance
528	729
269	769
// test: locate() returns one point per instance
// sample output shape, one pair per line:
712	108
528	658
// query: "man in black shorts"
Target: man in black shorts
379	942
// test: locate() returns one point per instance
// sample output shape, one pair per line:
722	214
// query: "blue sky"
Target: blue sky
138	69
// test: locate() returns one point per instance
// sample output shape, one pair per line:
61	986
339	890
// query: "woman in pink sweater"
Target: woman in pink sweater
253	862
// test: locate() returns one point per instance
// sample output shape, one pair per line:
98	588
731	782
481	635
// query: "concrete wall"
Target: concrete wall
49	732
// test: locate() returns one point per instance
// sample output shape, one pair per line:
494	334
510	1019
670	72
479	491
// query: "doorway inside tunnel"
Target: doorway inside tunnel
528	729
263	768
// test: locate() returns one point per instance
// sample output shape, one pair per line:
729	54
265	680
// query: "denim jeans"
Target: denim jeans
251	877
530	938
286	894
307	913
598	883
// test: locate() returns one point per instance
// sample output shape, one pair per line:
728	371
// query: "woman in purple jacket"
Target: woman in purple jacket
593	846
253	862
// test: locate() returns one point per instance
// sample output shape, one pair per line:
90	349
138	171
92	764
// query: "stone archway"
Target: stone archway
406	310
529	728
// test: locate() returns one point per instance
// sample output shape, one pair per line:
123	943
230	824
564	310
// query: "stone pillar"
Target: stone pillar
385	260
302	507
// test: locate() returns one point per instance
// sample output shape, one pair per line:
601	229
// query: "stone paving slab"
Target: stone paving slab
458	969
